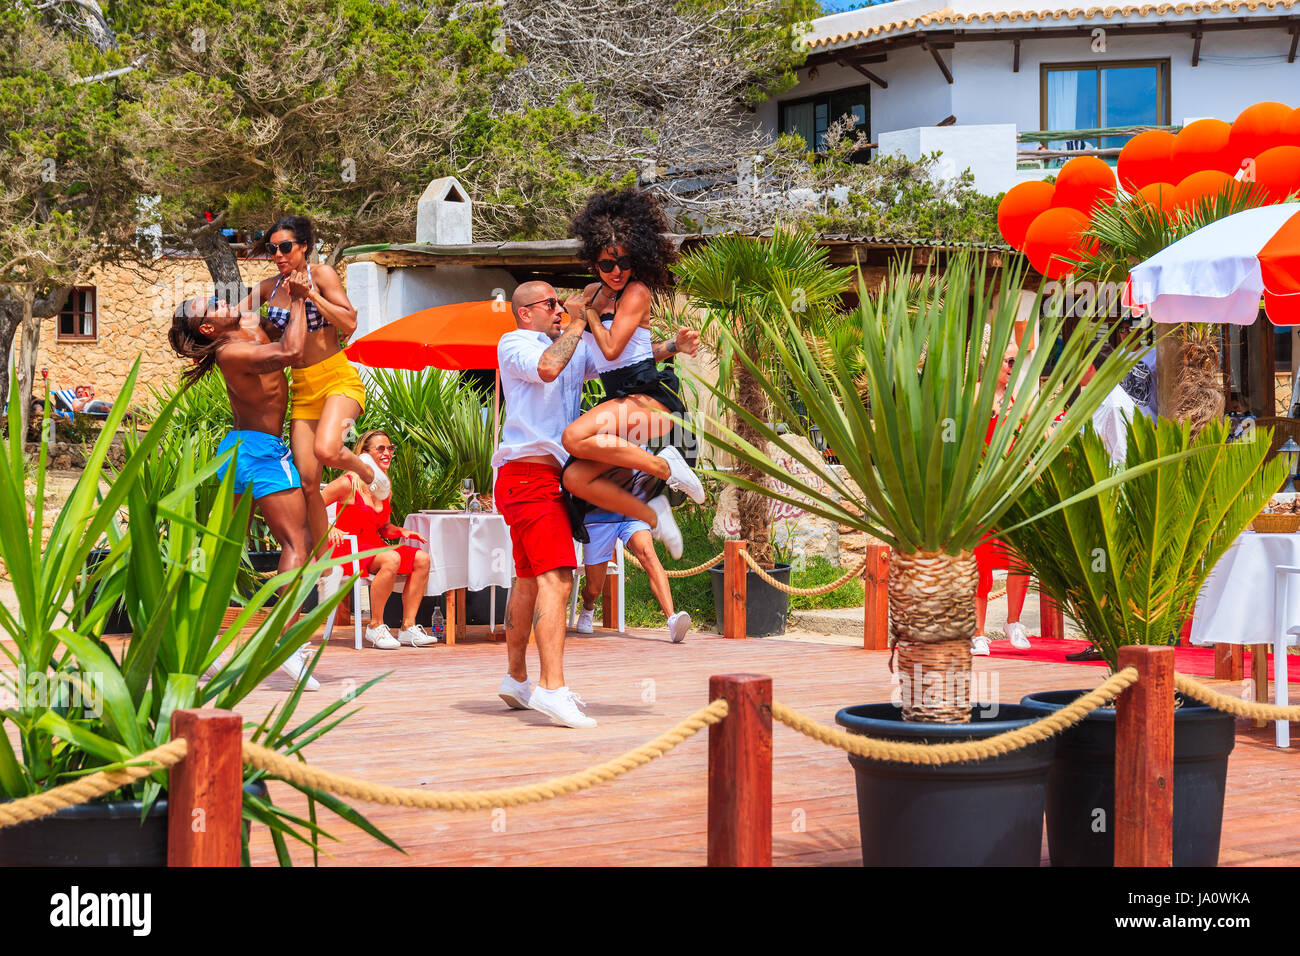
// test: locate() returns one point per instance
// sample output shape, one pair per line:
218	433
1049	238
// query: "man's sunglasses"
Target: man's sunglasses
285	247
549	303
607	265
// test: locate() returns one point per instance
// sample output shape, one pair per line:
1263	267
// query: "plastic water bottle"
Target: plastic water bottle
438	625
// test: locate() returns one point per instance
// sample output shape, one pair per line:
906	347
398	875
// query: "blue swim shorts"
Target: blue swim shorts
262	462
604	528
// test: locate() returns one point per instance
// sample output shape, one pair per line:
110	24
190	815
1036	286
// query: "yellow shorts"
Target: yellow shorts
315	383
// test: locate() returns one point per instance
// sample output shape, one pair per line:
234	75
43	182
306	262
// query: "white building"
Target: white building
912	65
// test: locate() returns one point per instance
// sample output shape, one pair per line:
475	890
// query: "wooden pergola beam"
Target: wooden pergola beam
884	85
938	59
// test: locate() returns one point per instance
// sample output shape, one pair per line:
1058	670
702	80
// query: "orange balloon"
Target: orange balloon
1056	233
1021	206
1256	129
1200	146
1083	183
1289	134
1145	159
1161	195
1277	172
1206	183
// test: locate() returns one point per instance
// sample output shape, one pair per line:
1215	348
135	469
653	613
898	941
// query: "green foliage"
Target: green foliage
1129	562
917	455
82	707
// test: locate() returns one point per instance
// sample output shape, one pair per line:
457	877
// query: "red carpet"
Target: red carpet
1197	661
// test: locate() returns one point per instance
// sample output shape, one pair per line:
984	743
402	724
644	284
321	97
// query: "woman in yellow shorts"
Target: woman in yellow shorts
328	394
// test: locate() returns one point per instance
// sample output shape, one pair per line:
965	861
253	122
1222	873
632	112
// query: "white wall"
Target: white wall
383	295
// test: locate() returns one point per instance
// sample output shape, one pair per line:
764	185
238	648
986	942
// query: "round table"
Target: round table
466	552
1250	599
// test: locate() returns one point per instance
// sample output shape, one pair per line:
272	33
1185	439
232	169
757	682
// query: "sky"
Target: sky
835	6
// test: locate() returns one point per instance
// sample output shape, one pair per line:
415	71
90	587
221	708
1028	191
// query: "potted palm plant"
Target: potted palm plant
921	479
1128	564
81	704
733	285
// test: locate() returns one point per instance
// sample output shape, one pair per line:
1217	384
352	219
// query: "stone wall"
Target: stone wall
135	305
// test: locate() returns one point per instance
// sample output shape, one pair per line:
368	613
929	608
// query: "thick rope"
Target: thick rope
303	774
676	573
965	751
89	787
1233	705
802	592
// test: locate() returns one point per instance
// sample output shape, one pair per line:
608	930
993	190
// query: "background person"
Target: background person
367	517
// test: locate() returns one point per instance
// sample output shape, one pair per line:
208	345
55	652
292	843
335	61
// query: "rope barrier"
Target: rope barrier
300	773
1233	705
677	573
802	592
936	754
89	787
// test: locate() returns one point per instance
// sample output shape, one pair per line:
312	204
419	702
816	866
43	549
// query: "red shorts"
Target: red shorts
531	500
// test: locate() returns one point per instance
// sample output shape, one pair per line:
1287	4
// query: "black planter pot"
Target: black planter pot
268	562
478	605
117	622
1081	784
986	813
766	608
94	834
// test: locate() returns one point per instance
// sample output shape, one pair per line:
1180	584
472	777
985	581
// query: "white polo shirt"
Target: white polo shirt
537	412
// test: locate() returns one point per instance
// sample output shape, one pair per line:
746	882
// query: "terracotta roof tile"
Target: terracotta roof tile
949	17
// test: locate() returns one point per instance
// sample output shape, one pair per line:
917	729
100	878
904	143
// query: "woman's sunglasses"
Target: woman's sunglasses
380	449
607	265
285	247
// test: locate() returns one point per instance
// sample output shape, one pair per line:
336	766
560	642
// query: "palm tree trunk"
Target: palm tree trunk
1198	393
752	509
931	622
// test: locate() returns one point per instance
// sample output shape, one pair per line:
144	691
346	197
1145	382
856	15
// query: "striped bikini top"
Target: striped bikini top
278	315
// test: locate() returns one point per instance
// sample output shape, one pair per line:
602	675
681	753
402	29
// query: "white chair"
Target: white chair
1281	638
615	567
333	580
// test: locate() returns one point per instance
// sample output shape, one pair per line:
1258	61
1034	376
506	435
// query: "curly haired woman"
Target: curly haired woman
624	243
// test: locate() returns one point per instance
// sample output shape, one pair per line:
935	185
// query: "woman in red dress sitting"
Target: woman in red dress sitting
367	518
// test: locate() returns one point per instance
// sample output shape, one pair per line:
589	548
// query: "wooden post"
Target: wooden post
1144	760
452	612
1259	677
875	580
1229	662
1052	621
740	772
204	795
735	586
609	601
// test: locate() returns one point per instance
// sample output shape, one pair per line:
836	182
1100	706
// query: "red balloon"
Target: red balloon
1161	195
1256	129
1056	233
1208	182
1200	146
1145	159
1083	183
1021	206
1277	172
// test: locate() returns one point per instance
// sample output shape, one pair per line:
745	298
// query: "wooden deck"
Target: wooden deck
436	722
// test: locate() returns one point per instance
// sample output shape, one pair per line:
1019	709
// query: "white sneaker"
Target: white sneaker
979	646
296	665
681	477
561	705
415	636
514	693
666	529
678	625
380	484
382	637
1017	635
584	621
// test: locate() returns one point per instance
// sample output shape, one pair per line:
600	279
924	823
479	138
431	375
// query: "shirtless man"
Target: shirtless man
211	333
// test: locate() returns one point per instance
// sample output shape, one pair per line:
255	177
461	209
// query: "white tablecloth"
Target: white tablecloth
1235	605
465	551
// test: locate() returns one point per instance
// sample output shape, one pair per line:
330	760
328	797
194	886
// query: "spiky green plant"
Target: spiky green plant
918	471
734	285
1129	561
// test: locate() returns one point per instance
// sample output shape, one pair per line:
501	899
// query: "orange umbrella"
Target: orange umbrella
456	337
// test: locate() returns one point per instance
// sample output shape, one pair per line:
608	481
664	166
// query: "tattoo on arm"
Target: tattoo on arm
665	350
555	358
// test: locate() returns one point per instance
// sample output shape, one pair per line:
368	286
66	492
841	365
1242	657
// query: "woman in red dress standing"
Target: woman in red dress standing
991	555
367	517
